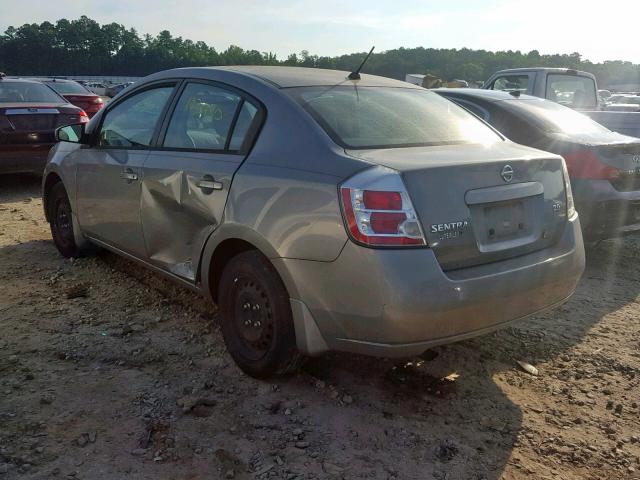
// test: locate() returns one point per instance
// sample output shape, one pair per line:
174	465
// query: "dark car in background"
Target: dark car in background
113	90
604	166
76	94
30	112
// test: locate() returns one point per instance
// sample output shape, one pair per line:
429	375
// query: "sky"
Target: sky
331	27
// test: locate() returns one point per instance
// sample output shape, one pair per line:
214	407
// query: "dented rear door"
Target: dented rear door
187	177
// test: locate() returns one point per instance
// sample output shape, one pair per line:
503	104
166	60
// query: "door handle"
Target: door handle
208	183
128	175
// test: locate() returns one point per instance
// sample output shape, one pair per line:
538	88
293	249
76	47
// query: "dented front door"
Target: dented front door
182	202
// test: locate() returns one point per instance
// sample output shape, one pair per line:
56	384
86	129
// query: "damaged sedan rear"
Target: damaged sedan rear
320	210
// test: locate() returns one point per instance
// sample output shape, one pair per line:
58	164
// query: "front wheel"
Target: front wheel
61	222
257	323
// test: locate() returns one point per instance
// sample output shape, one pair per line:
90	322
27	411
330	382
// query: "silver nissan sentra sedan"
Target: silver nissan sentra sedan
319	212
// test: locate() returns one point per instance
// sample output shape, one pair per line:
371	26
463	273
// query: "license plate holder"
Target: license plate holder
505	220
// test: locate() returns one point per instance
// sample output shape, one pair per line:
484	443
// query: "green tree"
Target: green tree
84	47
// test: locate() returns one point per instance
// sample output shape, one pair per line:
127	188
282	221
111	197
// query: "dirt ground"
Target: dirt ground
108	371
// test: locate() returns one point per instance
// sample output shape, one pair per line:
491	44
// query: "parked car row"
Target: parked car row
106	90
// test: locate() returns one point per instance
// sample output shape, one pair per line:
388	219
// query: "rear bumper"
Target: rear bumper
24	158
604	211
400	302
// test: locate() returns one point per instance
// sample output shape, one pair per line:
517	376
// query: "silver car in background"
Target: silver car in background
319	213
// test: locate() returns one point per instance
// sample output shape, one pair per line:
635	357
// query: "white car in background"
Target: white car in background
97	88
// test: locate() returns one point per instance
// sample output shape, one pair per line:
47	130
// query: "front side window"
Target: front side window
383	117
27	92
203	118
572	91
131	123
511	83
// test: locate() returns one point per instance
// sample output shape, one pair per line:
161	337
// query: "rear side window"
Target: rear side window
511	83
383	117
513	127
245	121
131	123
472	107
202	118
572	91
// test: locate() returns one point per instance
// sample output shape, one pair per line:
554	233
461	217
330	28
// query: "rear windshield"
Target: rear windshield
552	117
67	88
27	92
572	91
384	117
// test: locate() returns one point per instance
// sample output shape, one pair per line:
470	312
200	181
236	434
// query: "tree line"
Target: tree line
85	47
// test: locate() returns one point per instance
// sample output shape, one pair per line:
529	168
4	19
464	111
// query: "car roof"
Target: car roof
486	95
542	69
53	79
288	77
20	80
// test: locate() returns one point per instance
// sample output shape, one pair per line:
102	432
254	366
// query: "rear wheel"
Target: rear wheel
257	323
61	222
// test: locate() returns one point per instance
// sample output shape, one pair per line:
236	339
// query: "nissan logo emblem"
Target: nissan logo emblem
507	173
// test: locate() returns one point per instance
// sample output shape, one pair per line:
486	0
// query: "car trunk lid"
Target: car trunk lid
88	102
34	123
609	156
481	204
625	157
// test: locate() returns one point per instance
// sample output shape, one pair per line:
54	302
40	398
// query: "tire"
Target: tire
61	223
257	323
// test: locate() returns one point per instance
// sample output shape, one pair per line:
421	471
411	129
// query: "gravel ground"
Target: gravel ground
108	371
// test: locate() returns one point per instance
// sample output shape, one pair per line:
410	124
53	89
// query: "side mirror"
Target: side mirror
71	133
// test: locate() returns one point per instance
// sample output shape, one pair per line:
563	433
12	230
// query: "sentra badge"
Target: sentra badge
449	230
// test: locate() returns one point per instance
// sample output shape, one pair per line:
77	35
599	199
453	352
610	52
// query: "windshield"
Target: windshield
572	91
67	88
383	117
553	117
27	92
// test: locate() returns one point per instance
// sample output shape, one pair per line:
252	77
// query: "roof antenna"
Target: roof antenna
355	75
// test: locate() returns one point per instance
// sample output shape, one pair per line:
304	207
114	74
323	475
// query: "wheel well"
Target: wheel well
221	256
51	180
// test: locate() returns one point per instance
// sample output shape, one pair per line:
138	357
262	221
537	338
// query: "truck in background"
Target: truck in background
572	88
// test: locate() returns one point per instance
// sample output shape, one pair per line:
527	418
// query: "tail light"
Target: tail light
378	211
98	100
571	208
84	118
585	164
